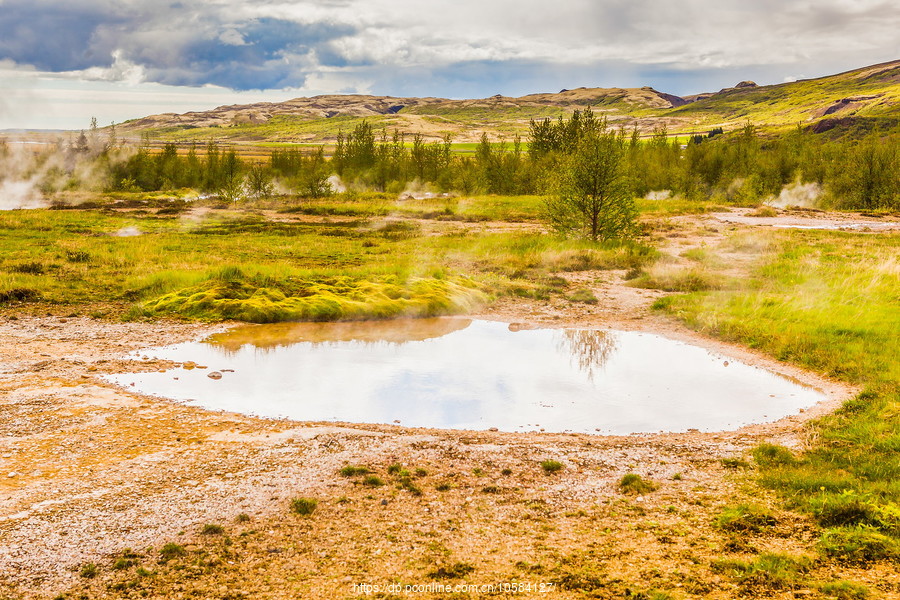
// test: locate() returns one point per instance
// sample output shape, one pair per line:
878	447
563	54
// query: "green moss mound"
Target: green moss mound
243	298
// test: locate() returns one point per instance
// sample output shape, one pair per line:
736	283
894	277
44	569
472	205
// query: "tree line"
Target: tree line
557	159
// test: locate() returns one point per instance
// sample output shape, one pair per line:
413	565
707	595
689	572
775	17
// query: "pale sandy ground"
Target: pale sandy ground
88	469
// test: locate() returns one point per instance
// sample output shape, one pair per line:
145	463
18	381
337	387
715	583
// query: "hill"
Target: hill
858	99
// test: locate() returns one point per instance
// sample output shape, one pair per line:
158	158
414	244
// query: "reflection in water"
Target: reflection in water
394	331
461	374
590	348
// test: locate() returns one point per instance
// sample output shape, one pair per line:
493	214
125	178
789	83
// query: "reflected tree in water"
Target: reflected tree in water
590	347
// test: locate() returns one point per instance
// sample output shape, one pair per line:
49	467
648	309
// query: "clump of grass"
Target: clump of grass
373	481
406	483
674	279
354	471
243	518
443	487
766	572
584	296
634	484
395	469
844	590
78	256
89	570
171	550
419	472
735	463
262	300
551	466
212	529
859	545
772	455
29	268
506	472
304	506
764	210
490	489
745	518
123	563
454	571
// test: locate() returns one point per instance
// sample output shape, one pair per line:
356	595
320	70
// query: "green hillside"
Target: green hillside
854	101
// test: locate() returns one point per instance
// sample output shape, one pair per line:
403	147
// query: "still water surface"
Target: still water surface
458	373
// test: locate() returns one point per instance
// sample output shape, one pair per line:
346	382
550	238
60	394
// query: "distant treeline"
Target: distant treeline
740	166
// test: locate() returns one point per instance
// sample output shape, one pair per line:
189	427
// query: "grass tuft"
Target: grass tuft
304	506
634	484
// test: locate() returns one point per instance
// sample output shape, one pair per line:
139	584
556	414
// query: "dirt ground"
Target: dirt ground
92	474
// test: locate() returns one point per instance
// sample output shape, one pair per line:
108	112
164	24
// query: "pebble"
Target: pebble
215	375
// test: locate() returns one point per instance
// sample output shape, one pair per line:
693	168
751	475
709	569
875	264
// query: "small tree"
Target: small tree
259	182
593	196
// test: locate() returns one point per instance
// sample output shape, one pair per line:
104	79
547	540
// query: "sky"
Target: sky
65	61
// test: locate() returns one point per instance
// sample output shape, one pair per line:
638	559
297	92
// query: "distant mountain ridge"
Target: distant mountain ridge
871	92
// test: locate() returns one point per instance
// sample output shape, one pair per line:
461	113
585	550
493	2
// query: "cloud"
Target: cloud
456	45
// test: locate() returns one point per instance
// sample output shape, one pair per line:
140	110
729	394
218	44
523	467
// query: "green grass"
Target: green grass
767	572
237	264
634	484
304	506
745	518
552	466
827	301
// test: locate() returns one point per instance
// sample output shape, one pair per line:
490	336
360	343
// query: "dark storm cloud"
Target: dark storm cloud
448	47
52	40
175	44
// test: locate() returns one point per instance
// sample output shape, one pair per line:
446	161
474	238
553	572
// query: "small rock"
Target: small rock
493	429
384	502
215	375
12	474
725	363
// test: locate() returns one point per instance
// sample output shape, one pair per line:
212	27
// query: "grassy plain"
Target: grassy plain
830	302
334	258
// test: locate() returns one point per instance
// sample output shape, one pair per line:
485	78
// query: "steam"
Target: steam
659	195
19	194
803	195
128	232
336	184
30	174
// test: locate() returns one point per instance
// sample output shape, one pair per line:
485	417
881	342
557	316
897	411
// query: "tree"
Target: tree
593	196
